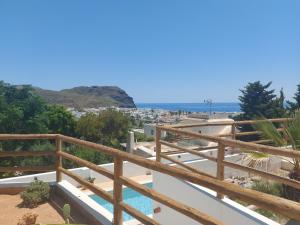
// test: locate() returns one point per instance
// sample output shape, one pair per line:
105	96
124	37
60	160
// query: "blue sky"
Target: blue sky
158	51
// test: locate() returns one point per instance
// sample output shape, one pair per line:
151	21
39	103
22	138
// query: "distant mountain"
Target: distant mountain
88	97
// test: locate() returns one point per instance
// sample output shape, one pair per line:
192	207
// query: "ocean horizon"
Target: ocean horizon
193	107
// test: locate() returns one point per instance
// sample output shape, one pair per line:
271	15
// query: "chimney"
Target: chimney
130	142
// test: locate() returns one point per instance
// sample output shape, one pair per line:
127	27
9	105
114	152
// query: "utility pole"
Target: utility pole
209	102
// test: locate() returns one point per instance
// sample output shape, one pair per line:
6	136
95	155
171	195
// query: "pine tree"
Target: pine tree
278	107
293	106
258	100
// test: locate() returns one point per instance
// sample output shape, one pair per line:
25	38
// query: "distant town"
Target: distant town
157	115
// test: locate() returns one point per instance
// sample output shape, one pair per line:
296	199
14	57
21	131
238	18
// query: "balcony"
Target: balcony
190	184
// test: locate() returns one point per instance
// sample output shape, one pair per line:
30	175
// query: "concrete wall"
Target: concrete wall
150	130
210	130
83	202
129	169
203	199
208	166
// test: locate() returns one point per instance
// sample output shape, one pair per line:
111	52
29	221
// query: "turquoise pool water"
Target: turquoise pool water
131	197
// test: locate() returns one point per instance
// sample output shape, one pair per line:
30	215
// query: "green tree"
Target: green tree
114	127
88	127
87	154
59	120
258	100
293	106
109	127
278	106
20	110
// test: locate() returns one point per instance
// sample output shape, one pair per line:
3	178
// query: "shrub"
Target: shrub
28	219
268	187
37	192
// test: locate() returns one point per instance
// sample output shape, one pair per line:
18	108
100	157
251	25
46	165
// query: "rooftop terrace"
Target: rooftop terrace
164	164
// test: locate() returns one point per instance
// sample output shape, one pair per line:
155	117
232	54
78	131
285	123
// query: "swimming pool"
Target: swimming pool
131	197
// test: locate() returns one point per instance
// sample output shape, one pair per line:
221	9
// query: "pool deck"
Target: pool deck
108	186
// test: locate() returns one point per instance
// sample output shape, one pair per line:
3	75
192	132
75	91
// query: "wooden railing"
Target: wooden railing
234	131
28	153
283	206
221	144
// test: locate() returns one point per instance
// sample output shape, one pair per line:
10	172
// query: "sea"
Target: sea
193	107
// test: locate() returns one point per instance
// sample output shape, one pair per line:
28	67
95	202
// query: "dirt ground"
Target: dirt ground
10	212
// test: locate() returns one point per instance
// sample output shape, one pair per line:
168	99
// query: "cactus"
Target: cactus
67	213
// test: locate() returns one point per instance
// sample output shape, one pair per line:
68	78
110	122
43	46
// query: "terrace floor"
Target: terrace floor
108	186
11	212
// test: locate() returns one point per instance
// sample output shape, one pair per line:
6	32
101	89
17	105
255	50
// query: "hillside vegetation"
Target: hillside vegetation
88	97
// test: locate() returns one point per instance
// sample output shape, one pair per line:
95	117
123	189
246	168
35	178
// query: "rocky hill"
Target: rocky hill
88	97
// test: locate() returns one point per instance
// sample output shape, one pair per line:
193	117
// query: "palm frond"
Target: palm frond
269	131
293	130
255	159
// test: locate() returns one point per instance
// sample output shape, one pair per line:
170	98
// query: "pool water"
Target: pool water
131	197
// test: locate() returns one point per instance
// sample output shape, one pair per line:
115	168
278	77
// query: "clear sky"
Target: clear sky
156	50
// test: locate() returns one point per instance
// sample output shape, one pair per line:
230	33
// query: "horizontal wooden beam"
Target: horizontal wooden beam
240	144
26	153
98	191
180	207
277	120
191	151
261	141
177	162
224	135
253	132
6	137
200	125
138	215
283	180
239	134
26	169
87	164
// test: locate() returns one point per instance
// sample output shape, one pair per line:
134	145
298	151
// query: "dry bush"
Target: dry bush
28	219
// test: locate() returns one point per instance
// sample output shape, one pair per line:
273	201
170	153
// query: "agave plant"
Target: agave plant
289	137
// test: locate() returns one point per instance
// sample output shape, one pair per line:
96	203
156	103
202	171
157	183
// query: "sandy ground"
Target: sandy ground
10	213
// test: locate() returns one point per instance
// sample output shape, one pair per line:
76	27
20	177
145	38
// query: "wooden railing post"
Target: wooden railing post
233	131
118	197
158	144
220	166
58	164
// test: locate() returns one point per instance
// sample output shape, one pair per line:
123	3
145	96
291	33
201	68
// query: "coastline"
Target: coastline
220	107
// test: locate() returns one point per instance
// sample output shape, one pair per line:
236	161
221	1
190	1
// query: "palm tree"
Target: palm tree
288	137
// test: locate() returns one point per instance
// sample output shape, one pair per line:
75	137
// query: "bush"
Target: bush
37	192
268	187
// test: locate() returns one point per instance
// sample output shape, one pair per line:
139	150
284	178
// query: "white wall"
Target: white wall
129	170
150	130
210	130
208	166
47	177
203	199
92	207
